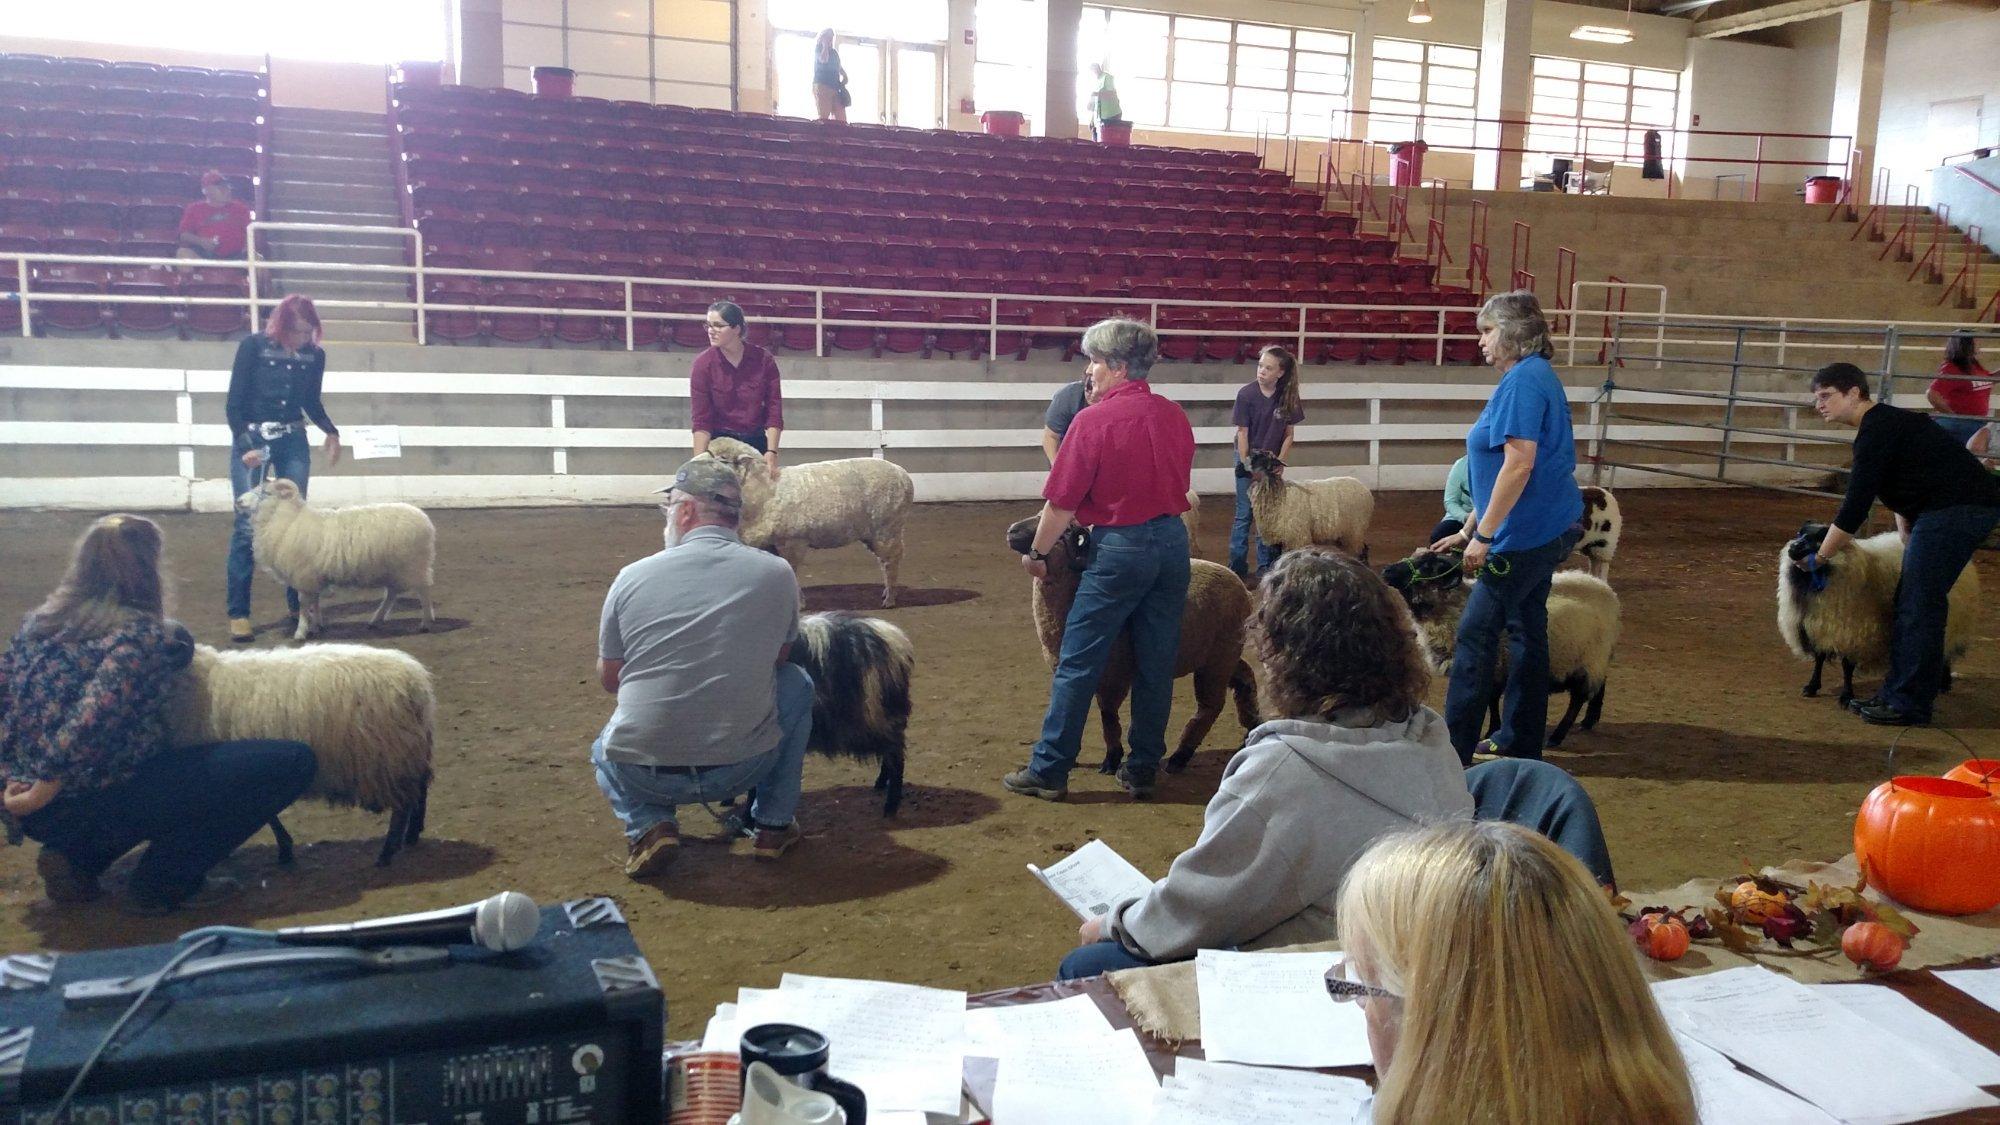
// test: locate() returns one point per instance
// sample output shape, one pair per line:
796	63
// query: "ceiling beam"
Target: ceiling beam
1774	15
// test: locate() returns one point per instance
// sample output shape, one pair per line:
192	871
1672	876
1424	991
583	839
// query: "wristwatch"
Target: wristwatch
1478	537
1038	556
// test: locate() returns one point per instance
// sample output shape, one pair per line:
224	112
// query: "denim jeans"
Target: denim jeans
1960	429
1546	798
1138	575
1941	545
1105	956
195	805
1240	536
645	796
1518	602
291	459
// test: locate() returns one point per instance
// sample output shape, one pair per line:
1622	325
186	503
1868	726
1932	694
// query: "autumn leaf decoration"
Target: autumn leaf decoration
1753	913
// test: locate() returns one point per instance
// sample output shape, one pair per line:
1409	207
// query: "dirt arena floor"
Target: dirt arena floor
1707	755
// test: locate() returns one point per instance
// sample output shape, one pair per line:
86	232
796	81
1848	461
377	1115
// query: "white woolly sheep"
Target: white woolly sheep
309	549
1211	649
1603	523
860	669
1334	512
1192	519
1854	616
822	504
1583	630
369	715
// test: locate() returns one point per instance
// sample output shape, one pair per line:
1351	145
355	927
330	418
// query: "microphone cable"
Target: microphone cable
199	945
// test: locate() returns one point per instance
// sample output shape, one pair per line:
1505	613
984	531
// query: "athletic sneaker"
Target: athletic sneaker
774	842
1136	783
241	631
61	881
654	852
1028	783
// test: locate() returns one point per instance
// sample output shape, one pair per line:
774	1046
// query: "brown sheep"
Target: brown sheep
1211	649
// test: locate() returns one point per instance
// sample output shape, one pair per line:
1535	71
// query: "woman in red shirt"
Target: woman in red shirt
733	389
1962	387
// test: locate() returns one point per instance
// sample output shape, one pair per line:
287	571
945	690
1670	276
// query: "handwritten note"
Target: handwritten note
1002	1033
1790	1034
365	443
901	1043
1102	1081
1093	879
1917	1029
1272	1009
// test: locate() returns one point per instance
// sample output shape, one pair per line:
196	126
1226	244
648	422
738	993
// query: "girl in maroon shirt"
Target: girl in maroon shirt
733	390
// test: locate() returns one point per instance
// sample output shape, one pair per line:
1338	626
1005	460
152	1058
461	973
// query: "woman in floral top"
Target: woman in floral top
84	745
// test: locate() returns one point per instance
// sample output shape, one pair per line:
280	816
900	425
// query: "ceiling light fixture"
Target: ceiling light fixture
1420	11
1598	33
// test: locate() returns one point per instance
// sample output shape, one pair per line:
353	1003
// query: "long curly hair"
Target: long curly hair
114	575
1332	635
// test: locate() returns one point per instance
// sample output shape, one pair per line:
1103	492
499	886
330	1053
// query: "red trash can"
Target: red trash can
554	81
1115	132
1406	162
1004	122
420	72
1823	189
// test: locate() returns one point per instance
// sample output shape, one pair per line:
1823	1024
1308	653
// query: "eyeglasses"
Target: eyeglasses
713	326
1343	987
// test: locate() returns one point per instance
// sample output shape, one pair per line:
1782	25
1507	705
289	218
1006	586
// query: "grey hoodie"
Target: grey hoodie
1296	808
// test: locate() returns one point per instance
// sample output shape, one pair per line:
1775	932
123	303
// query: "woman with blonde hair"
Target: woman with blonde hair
84	741
830	96
1500	987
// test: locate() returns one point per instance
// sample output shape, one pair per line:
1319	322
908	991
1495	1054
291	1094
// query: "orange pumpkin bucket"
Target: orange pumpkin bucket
1932	843
1983	772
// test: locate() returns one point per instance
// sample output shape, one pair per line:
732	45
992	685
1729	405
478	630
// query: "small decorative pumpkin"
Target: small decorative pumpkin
1753	905
1983	772
1872	945
1663	937
1931	843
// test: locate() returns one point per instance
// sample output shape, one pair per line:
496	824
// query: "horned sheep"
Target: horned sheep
1334	512
369	715
860	669
823	504
309	549
1211	645
1853	616
1583	629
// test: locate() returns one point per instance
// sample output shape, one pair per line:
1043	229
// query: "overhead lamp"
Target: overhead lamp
1597	33
1420	11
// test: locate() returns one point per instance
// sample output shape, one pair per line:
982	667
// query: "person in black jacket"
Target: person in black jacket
273	387
1945	506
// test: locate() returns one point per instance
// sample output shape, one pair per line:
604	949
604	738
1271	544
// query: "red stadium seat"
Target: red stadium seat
69	315
157	316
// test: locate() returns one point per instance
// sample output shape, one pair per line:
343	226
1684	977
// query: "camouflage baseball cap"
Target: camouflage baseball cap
709	479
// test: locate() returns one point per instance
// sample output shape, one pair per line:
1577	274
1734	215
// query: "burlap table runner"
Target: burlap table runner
1163	1000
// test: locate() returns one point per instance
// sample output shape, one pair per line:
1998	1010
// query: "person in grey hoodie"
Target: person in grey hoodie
1306	796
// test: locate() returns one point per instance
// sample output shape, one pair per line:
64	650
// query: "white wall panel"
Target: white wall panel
600	52
533	11
617	89
628	16
676	61
527	45
684	93
692	19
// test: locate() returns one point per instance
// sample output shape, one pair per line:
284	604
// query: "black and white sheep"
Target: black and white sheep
1334	512
1211	649
1603	523
369	714
309	549
822	504
860	669
1854	616
1583	630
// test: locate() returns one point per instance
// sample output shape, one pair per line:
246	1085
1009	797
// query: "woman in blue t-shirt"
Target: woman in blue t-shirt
1525	504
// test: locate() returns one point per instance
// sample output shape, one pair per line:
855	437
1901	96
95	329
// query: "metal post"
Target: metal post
1301	353
819	322
21	287
250	257
1891	344
1440	338
1757	182
1599	475
992	329
1729	407
418	253
628	315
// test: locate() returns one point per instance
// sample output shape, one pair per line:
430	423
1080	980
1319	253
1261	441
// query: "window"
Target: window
1010	44
1598	110
1431	84
362	31
1216	76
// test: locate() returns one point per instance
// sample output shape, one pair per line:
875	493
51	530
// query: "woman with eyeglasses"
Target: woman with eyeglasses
1500	987
733	389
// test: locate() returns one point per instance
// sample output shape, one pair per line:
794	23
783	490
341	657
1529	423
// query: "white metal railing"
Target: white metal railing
258	227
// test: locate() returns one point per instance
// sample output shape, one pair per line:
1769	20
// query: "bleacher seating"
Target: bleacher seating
503	181
99	158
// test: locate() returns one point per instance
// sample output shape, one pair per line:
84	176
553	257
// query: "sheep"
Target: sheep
1583	630
1854	616
823	504
1602	525
1334	512
1211	648
1192	519
309	549
369	715
860	669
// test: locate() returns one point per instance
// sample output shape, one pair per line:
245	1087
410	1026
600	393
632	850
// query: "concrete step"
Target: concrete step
360	198
332	167
331	120
368	332
337	252
315	138
346	216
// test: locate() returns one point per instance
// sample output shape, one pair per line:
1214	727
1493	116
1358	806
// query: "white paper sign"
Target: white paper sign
1272	1009
1002	1033
366	443
1093	879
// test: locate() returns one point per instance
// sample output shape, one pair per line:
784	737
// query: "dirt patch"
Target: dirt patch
1707	755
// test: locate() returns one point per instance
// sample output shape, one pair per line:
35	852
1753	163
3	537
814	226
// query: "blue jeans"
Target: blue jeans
1138	575
646	796
1960	429
291	459
195	805
1517	601
1543	797
1941	545
1098	957
1240	537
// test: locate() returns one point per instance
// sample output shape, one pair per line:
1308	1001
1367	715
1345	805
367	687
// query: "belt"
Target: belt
270	430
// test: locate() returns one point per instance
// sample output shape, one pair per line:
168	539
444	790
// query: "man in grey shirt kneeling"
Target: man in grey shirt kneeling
693	643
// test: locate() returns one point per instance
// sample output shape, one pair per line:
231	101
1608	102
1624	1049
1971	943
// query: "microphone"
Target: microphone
507	921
